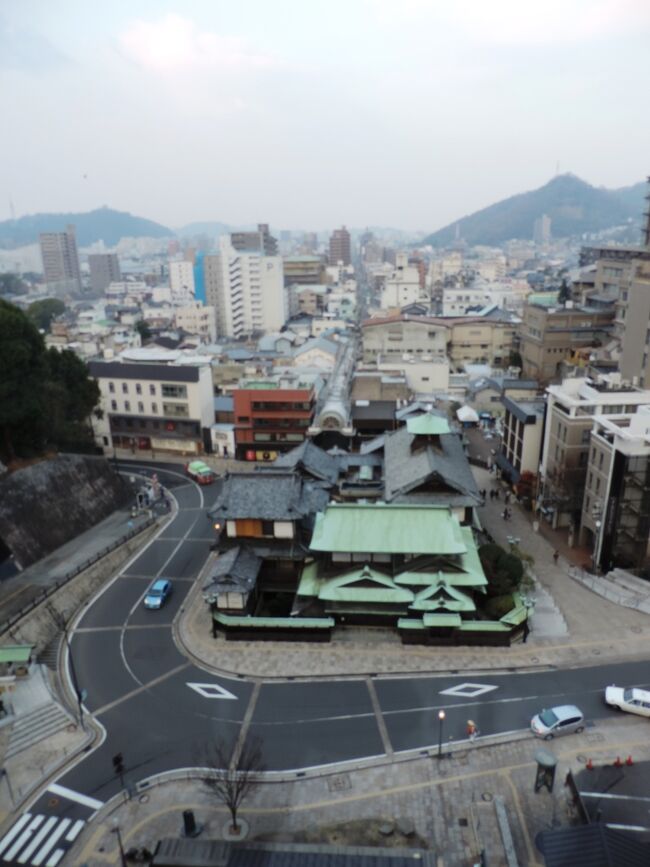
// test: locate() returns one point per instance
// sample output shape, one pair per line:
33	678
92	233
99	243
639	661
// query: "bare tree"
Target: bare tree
231	778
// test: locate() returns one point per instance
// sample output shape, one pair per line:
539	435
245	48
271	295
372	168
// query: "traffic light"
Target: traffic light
118	764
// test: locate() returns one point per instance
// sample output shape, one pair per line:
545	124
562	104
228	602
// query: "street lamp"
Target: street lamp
116	830
441	719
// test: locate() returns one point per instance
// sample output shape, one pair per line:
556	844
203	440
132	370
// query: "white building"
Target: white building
402	287
181	282
251	289
457	299
425	375
198	319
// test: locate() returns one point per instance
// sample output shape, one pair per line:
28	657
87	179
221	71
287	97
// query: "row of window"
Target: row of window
165	389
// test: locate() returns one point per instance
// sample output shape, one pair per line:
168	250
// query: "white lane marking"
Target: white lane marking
211	690
9	836
74	831
468	690
71	795
51	842
38	839
55	857
24	837
613	797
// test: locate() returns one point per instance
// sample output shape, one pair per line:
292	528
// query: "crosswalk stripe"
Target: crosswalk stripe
24	837
71	795
50	843
74	831
55	857
38	839
9	836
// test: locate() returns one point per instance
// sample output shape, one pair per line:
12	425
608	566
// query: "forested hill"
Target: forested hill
573	205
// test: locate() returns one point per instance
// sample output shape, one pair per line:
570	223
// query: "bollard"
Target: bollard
618	763
628	761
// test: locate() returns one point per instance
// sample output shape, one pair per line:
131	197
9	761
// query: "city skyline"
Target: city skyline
407	116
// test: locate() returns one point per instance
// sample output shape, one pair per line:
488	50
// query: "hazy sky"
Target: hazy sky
308	114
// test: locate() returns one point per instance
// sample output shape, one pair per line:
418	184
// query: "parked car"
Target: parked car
158	593
561	720
200	472
629	698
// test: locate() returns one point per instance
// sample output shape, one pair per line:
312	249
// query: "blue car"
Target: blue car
158	593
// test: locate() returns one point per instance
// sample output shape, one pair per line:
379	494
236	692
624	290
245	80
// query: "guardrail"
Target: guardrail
48	591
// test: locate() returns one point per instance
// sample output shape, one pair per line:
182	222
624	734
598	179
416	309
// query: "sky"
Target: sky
309	114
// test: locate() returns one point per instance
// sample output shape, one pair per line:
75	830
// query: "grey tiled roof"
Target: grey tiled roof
312	459
405	470
235	570
267	497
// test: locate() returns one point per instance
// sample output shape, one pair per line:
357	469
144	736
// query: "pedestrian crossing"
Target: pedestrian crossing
38	840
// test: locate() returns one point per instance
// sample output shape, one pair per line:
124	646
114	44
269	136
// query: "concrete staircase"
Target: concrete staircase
37	725
617	586
49	656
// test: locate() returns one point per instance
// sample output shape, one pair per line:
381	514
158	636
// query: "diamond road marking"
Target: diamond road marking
211	690
469	690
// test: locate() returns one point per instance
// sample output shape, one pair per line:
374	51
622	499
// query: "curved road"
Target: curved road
157	708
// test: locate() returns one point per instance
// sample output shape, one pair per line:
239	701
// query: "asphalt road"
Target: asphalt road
158	709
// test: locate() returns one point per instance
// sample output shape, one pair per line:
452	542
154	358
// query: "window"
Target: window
140	406
591	478
174	391
111	387
113	405
597	486
138	388
587	504
152	388
600	460
127	406
584	439
267	528
125	388
154	407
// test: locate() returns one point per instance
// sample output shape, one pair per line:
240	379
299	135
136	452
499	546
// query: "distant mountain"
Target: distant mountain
214	229
573	205
103	224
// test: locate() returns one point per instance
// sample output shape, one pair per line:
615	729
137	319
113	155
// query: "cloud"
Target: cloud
174	43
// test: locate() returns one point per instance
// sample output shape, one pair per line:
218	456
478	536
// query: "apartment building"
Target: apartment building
339	247
485	339
181	281
197	319
61	260
521	443
456	300
393	336
615	520
571	408
632	325
104	270
247	290
303	270
271	418
548	335
403	286
261	241
162	405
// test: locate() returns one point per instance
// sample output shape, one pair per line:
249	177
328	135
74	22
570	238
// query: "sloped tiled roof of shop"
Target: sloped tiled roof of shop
236	570
267	497
312	459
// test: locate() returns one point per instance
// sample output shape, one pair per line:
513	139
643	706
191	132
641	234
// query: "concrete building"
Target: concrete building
271	418
571	408
457	300
632	325
198	319
542	230
403	286
181	281
104	270
61	260
158	403
548	335
247	290
521	443
615	520
393	336
303	270
339	247
261	241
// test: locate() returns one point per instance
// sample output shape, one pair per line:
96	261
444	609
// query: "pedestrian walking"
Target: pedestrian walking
556	556
496	494
472	731
491	494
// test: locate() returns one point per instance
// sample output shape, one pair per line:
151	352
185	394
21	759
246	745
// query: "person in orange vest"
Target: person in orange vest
471	729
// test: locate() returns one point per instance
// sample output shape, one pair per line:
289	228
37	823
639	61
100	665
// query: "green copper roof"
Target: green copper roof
408	623
379	528
363	585
428	424
442	595
450	620
276	622
16	652
483	626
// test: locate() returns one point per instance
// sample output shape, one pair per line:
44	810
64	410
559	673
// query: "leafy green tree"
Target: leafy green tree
43	312
143	330
515	359
71	397
23	374
503	571
564	294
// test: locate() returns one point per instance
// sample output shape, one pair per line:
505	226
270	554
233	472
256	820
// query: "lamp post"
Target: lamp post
116	830
441	719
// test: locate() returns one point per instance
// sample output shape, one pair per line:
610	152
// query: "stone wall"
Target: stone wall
45	505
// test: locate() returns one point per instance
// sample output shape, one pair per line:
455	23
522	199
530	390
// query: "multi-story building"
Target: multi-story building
198	319
615	520
542	230
521	443
303	270
104	270
61	260
181	281
632	325
570	412
339	247
403	286
261	241
548	335
162	405
247	290
308	300
457	300
270	418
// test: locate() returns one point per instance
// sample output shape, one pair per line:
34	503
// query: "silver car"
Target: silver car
561	720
